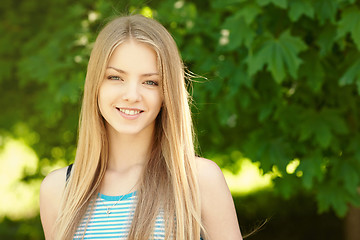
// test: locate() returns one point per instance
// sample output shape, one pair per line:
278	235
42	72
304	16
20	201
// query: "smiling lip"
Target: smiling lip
129	113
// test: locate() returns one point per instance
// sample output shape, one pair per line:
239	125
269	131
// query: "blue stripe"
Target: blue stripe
116	198
117	224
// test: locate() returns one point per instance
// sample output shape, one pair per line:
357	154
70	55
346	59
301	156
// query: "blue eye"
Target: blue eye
114	77
151	83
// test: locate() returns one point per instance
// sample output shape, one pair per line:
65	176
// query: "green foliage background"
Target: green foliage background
282	82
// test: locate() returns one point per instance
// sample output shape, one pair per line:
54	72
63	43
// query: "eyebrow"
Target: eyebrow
123	72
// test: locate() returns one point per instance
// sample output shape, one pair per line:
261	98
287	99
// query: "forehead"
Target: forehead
134	57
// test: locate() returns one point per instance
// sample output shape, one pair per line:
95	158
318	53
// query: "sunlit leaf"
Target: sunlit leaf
311	166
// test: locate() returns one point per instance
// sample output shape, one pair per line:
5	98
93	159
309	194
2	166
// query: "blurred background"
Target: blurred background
276	104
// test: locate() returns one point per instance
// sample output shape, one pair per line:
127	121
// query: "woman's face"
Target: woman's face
130	95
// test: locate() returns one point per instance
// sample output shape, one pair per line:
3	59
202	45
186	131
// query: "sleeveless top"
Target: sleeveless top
115	224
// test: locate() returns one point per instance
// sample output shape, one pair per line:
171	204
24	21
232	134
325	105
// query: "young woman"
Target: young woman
135	174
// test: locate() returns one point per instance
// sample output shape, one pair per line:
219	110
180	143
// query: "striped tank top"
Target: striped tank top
116	224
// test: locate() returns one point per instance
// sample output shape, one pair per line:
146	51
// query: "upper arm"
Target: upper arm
51	190
217	206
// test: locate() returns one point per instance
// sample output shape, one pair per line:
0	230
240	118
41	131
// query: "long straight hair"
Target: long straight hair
169	181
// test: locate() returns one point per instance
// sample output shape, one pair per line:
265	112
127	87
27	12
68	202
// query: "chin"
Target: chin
128	131
133	130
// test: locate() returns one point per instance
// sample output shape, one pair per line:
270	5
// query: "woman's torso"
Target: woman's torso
115	224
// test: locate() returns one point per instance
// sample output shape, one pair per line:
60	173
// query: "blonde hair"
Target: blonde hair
169	181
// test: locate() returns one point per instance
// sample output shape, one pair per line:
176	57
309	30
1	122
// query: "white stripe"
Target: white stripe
117	224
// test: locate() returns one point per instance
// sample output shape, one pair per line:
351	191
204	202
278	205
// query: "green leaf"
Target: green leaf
311	166
249	12
323	135
353	147
266	111
280	55
352	75
350	23
326	39
350	176
313	71
299	8
313	125
267	150
5	70
239	78
335	121
219	4
322	126
330	195
214	86
286	185
226	68
239	32
257	60
279	3
325	10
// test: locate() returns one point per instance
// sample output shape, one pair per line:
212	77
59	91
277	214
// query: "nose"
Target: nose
131	92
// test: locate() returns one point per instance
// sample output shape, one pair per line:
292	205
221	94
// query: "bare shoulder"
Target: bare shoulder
209	173
54	182
206	163
217	206
51	191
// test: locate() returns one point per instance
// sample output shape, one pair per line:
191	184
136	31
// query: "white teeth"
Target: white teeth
129	112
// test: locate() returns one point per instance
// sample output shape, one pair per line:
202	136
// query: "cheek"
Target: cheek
102	99
158	101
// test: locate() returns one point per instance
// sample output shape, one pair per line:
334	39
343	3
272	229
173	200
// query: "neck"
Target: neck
127	150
